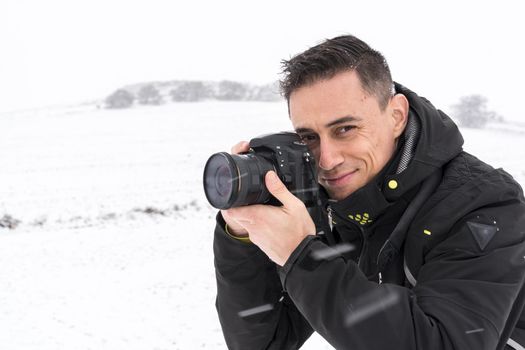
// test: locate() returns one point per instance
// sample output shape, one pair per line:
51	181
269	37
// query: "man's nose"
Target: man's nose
329	155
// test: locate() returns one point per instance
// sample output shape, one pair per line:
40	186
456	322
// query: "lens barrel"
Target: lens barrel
236	180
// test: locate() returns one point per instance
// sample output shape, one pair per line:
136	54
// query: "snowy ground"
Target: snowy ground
112	248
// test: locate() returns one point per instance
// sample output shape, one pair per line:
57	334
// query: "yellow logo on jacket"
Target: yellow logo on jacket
361	219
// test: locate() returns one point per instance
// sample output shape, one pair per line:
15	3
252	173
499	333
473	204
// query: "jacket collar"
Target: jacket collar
369	202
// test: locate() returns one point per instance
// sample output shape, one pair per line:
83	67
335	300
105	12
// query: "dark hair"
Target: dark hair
334	56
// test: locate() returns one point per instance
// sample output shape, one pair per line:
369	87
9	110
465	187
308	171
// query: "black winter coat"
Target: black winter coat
438	261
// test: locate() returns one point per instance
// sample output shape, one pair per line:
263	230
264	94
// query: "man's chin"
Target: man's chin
338	194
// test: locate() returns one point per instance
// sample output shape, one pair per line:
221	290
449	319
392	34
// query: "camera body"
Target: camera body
292	162
236	180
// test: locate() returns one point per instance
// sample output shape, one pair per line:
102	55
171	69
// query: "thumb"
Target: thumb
278	189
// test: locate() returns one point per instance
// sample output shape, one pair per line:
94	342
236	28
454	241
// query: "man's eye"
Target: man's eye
308	138
344	129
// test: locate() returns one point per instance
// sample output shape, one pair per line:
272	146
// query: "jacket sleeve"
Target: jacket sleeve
462	299
247	280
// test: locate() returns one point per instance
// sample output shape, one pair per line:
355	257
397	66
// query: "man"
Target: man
426	248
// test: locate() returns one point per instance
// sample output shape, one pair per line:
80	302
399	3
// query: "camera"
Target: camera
238	179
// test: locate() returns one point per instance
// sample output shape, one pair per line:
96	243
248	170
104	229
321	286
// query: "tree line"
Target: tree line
470	111
190	91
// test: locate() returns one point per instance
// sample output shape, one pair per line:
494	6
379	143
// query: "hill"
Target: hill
156	93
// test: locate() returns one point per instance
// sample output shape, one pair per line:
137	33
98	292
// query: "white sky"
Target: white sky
66	51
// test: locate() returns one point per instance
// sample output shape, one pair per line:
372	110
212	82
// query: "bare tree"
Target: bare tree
471	111
120	99
190	91
231	91
268	92
149	95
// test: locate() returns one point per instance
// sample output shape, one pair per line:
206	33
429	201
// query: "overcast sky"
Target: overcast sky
69	51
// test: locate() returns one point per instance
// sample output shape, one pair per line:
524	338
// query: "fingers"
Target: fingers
279	190
241	147
242	214
234	226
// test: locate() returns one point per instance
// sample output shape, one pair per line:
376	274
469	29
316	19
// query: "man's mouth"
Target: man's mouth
339	179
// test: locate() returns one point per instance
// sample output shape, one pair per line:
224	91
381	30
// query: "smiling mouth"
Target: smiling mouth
334	181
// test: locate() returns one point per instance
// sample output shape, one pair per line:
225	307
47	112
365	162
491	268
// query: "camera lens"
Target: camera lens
223	181
220	176
236	180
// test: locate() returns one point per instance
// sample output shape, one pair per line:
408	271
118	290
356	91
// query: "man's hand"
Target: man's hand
276	230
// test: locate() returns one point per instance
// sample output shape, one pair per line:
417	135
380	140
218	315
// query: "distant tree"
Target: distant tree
149	95
119	99
231	91
190	91
9	222
472	112
267	93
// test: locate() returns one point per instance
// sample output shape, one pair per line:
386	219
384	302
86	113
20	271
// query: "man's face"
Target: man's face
351	137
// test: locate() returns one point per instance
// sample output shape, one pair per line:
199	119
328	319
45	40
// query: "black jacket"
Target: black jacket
438	260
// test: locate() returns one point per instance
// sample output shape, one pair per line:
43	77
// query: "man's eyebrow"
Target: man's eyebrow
342	120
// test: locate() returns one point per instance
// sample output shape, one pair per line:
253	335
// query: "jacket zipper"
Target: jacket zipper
364	246
329	212
361	230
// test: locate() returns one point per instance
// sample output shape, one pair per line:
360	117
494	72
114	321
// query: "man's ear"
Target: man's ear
399	107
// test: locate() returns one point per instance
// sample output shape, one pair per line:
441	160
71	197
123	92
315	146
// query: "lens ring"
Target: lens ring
221	180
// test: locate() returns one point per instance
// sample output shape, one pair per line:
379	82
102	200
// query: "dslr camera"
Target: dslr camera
238	179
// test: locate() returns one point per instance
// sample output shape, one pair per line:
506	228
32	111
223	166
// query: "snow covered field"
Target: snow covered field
113	244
